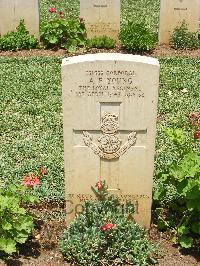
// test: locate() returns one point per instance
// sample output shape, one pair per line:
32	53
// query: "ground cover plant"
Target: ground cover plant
31	122
32	133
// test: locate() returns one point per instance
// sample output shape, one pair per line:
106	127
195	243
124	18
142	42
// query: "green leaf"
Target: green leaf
186	241
196	228
53	40
182	230
24	223
21	237
193	204
7	245
6	225
159	193
162	224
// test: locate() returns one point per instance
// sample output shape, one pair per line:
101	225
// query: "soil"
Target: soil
42	247
160	50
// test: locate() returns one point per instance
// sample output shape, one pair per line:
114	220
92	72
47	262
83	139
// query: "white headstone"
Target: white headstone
110	110
102	17
173	13
11	11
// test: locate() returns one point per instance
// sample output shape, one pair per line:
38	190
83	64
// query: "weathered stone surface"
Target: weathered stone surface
11	11
173	13
109	108
101	17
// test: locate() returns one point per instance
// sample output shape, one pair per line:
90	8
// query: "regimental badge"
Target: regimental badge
109	146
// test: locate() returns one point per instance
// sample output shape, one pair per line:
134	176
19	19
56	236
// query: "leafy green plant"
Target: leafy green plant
105	234
18	40
181	38
62	33
137	37
183	211
16	223
101	42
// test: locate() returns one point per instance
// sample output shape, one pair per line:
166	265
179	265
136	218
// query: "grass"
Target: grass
31	132
138	10
31	124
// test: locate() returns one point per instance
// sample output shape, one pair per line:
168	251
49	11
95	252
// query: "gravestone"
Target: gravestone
173	13
102	17
109	109
11	11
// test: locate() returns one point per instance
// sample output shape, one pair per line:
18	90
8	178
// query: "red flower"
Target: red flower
106	227
43	171
99	185
52	10
197	135
31	180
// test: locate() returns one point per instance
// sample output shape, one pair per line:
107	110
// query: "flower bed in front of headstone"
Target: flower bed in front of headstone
105	233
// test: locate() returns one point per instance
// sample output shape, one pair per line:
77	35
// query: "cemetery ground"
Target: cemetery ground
31	131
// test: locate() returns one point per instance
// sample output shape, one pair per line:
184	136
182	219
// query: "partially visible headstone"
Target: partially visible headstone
173	13
11	11
102	17
109	108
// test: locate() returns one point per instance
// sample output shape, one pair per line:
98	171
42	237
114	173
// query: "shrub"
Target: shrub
184	209
101	42
105	234
16	224
63	33
18	40
181	38
137	37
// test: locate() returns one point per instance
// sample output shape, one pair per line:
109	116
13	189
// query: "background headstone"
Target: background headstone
110	110
102	17
11	11
173	13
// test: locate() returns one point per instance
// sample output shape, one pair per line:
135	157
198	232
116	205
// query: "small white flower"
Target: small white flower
184	90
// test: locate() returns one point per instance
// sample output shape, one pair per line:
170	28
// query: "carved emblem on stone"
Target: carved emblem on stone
108	146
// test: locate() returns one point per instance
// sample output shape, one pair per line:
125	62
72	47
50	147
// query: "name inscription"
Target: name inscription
109	83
